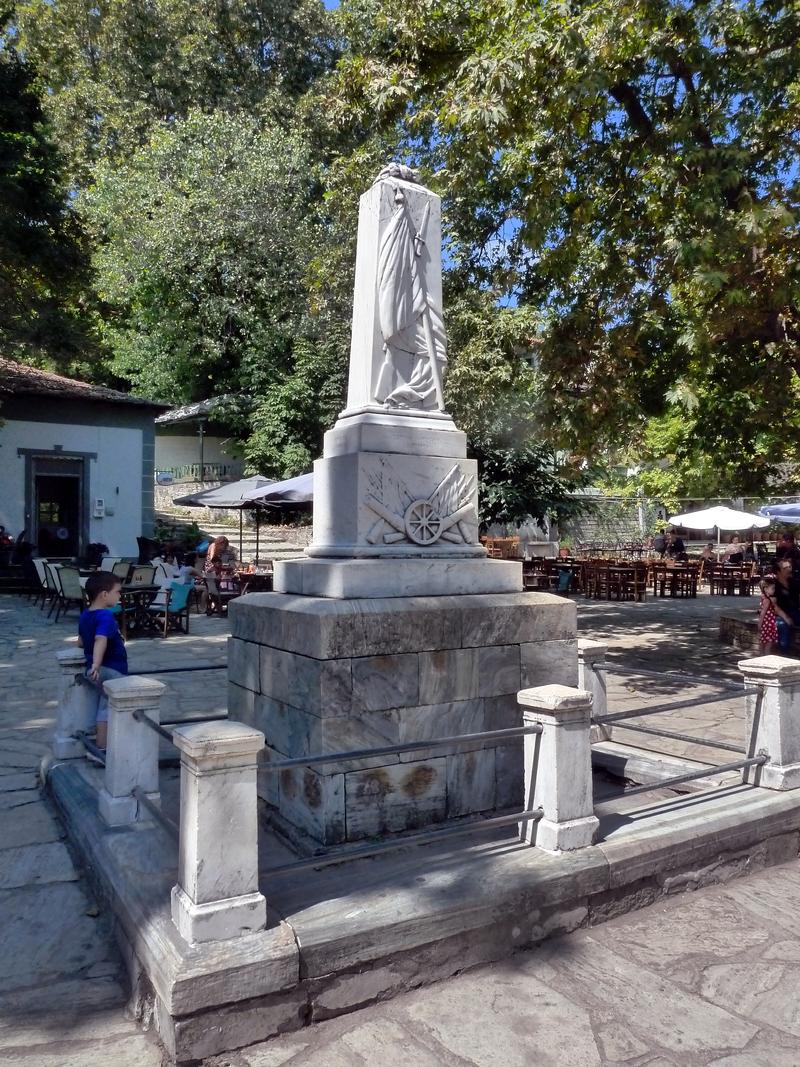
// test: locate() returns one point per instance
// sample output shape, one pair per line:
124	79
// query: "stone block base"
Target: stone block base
318	675
356	578
221	919
566	836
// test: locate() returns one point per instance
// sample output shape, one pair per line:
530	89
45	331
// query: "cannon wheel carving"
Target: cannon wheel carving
423	522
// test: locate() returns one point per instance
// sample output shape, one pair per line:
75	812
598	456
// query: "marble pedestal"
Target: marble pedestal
318	674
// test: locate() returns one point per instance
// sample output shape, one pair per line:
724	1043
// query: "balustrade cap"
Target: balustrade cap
217	738
591	649
555	698
134	691
70	657
776	668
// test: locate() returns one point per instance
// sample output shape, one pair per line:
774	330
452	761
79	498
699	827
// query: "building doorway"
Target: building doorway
57	511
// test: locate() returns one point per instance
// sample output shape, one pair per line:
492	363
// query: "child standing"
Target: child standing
768	615
101	641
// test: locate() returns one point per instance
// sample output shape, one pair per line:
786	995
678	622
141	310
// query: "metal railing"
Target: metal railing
750	758
340	855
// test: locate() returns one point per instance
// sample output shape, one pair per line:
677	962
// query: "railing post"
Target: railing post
558	767
217	895
592	679
76	705
772	702
132	754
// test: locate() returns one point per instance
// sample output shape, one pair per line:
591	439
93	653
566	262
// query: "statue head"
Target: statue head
398	170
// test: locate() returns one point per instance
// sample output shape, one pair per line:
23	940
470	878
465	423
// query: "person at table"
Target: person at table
708	554
734	551
787	598
787	549
675	549
220	554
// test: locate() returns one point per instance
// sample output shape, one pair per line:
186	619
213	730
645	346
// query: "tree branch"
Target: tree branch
625	94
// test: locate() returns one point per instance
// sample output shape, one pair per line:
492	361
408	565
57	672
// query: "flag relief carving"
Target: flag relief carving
411	323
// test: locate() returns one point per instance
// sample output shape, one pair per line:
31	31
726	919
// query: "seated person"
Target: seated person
708	554
675	548
220	556
734	551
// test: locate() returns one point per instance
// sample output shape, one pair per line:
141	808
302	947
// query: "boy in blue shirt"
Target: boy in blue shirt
101	641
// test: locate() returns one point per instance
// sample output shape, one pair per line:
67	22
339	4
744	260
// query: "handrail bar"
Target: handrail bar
613	668
140	716
181	670
410	746
654	709
425	837
679	779
90	746
675	736
169	824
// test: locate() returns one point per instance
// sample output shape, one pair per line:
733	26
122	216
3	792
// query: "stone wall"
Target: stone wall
321	676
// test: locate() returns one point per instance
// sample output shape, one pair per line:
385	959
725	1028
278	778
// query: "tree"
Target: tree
41	259
202	241
112	70
629	170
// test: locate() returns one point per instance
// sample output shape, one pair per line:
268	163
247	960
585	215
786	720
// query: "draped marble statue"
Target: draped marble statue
414	340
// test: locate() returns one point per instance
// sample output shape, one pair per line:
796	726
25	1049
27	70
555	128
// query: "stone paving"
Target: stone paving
62	982
701	979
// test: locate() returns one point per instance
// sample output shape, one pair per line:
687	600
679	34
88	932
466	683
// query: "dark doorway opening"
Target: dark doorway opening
57	514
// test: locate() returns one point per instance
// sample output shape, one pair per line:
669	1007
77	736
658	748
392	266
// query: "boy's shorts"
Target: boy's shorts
105	674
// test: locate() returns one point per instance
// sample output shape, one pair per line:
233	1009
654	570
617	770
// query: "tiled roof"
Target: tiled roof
20	380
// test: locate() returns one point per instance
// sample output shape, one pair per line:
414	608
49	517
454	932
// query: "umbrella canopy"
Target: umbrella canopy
720	518
781	512
230	495
299	490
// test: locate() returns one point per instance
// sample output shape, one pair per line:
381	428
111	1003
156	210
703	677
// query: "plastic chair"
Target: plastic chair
107	563
53	585
71	590
175	608
39	566
122	569
141	575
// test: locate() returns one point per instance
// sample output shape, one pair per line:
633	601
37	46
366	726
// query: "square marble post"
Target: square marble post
132	754
76	704
217	894
561	760
592	679
772	701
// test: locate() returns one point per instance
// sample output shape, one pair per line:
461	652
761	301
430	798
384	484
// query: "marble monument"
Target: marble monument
394	627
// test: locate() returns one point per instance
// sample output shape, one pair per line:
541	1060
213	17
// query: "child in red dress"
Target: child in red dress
768	615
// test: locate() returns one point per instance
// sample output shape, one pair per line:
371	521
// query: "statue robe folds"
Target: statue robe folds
414	339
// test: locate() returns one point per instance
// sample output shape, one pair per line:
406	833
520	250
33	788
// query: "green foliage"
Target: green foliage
495	396
113	70
202	241
41	260
629	168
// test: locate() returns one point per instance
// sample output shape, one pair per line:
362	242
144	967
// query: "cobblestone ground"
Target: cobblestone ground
702	979
62	984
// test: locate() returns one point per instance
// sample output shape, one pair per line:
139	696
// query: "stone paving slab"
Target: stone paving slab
693	981
35	865
677	636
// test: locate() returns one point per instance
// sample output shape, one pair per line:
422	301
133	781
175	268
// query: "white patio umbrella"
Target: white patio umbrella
719	518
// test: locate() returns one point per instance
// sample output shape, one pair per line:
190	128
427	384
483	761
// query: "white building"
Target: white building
76	462
194	443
